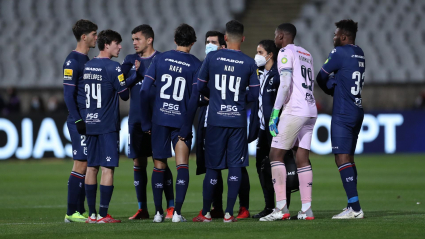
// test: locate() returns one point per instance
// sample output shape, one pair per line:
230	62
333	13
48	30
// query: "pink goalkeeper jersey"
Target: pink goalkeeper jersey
300	100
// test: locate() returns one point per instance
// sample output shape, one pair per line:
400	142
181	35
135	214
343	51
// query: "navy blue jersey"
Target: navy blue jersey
174	73
134	116
72	76
228	73
348	64
103	81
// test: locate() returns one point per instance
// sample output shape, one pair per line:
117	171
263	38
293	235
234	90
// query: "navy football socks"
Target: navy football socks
75	183
182	183
349	182
140	183
234	183
168	187
91	190
244	189
157	188
217	202
82	198
105	198
210	182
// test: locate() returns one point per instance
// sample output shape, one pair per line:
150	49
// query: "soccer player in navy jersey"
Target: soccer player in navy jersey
225	76
104	84
86	34
139	143
347	62
174	73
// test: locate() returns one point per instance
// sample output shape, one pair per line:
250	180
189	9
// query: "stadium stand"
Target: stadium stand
36	35
391	35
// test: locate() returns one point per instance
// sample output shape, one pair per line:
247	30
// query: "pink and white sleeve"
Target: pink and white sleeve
285	61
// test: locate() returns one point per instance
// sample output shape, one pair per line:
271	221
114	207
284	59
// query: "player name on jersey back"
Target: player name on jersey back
228	73
300	100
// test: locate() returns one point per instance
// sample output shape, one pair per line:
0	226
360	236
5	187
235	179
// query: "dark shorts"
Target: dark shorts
162	137
226	147
103	150
139	143
78	141
344	136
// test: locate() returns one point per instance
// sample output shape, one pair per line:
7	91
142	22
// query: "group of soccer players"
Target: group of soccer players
166	90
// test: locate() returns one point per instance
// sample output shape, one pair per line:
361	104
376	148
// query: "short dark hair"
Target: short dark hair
234	28
107	37
146	30
288	28
270	47
217	34
184	35
83	27
348	27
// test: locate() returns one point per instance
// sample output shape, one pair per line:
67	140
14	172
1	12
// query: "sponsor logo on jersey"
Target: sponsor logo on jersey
349	179
121	79
136	183
327	60
158	185
108	158
75	152
357	56
178	62
304	53
118	69
229	60
292	173
333	51
92	69
67	74
284	60
233	178
213	181
358	102
68	63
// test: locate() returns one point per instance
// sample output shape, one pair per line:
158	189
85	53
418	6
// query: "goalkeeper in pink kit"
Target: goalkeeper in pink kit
297	109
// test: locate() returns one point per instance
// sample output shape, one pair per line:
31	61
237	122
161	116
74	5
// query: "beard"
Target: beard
337	42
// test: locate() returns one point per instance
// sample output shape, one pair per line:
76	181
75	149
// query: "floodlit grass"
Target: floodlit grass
33	198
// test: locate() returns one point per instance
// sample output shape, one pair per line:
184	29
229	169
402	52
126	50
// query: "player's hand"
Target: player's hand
273	122
137	64
206	98
81	126
148	132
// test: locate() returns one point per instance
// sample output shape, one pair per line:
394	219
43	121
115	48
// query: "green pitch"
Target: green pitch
33	198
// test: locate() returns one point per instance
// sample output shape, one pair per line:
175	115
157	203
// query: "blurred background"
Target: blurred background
36	36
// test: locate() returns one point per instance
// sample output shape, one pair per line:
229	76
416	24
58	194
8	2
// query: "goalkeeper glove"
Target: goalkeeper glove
81	126
273	122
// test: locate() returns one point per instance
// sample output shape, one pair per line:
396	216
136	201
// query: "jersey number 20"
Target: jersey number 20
95	94
179	86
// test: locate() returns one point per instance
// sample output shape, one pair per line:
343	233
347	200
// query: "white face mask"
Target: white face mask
260	60
210	47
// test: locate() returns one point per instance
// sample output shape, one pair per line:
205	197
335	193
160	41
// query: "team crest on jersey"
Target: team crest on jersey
284	60
67	74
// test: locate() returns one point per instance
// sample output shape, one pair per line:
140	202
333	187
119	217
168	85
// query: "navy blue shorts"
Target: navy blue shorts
344	136
226	147
103	150
78	141
139	143
162	137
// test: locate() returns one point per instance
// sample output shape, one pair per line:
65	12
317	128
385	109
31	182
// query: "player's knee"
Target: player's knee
341	159
141	162
160	163
276	154
80	166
